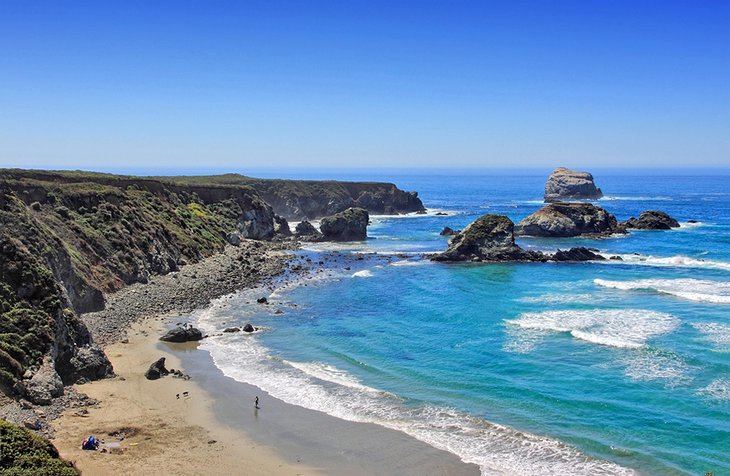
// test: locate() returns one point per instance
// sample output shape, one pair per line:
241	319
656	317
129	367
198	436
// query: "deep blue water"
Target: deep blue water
590	368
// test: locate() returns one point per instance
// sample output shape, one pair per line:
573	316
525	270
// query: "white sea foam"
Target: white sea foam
623	328
557	298
635	198
650	364
495	448
677	261
717	390
717	333
683	225
430	212
365	273
408	262
716	292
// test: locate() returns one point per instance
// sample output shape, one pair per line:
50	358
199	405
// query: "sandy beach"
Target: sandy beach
163	434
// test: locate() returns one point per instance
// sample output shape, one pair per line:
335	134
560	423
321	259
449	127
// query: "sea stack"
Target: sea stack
349	225
487	239
569	219
565	184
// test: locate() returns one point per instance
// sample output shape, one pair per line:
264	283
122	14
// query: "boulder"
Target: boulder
262	300
448	231
566	184
157	370
248	328
44	386
281	226
307	231
569	219
182	334
489	238
349	225
233	239
89	363
231	329
577	254
652	220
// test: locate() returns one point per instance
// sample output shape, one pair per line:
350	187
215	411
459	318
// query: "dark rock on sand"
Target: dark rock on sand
349	225
44	386
88	362
281	226
307	231
182	334
447	231
157	370
489	238
569	219
577	254
248	328
566	184
262	300
652	220
232	329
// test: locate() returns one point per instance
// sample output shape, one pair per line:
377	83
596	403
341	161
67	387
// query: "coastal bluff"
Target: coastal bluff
565	184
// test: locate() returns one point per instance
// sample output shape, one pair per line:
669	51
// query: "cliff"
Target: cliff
66	238
298	200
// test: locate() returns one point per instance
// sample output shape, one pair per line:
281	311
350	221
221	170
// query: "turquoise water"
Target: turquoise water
589	368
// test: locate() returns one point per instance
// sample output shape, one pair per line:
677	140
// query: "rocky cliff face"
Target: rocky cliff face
298	200
487	239
565	184
66	238
569	219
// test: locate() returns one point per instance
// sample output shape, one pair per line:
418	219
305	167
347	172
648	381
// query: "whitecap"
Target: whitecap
495	448
678	261
717	390
623	328
716	292
365	273
557	298
716	333
635	198
650	364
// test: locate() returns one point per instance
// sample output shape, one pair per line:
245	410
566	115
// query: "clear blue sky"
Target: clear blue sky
374	83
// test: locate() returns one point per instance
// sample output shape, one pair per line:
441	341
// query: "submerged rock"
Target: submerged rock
489	238
569	219
157	370
182	334
652	220
566	184
349	225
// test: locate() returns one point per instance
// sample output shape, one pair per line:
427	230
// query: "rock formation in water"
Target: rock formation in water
447	231
565	185
652	220
348	225
307	232
487	239
577	254
569	219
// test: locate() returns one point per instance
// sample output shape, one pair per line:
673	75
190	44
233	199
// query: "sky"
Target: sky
419	84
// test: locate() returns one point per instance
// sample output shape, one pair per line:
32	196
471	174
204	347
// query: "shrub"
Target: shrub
27	454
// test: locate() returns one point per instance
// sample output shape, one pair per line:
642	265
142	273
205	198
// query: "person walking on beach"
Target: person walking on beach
256	402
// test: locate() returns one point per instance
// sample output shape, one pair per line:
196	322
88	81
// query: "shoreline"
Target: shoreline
168	435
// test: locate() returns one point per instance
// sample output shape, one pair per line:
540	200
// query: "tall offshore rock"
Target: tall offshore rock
565	184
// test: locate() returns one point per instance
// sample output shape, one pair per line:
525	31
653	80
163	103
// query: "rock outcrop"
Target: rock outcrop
487	239
652	220
565	185
569	219
182	334
349	225
447	231
307	231
156	370
44	386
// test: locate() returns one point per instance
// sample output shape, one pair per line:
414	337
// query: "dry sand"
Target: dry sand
164	434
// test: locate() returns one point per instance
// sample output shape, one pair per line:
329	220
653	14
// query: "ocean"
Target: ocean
614	367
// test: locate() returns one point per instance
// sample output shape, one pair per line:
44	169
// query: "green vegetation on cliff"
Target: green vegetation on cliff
23	453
